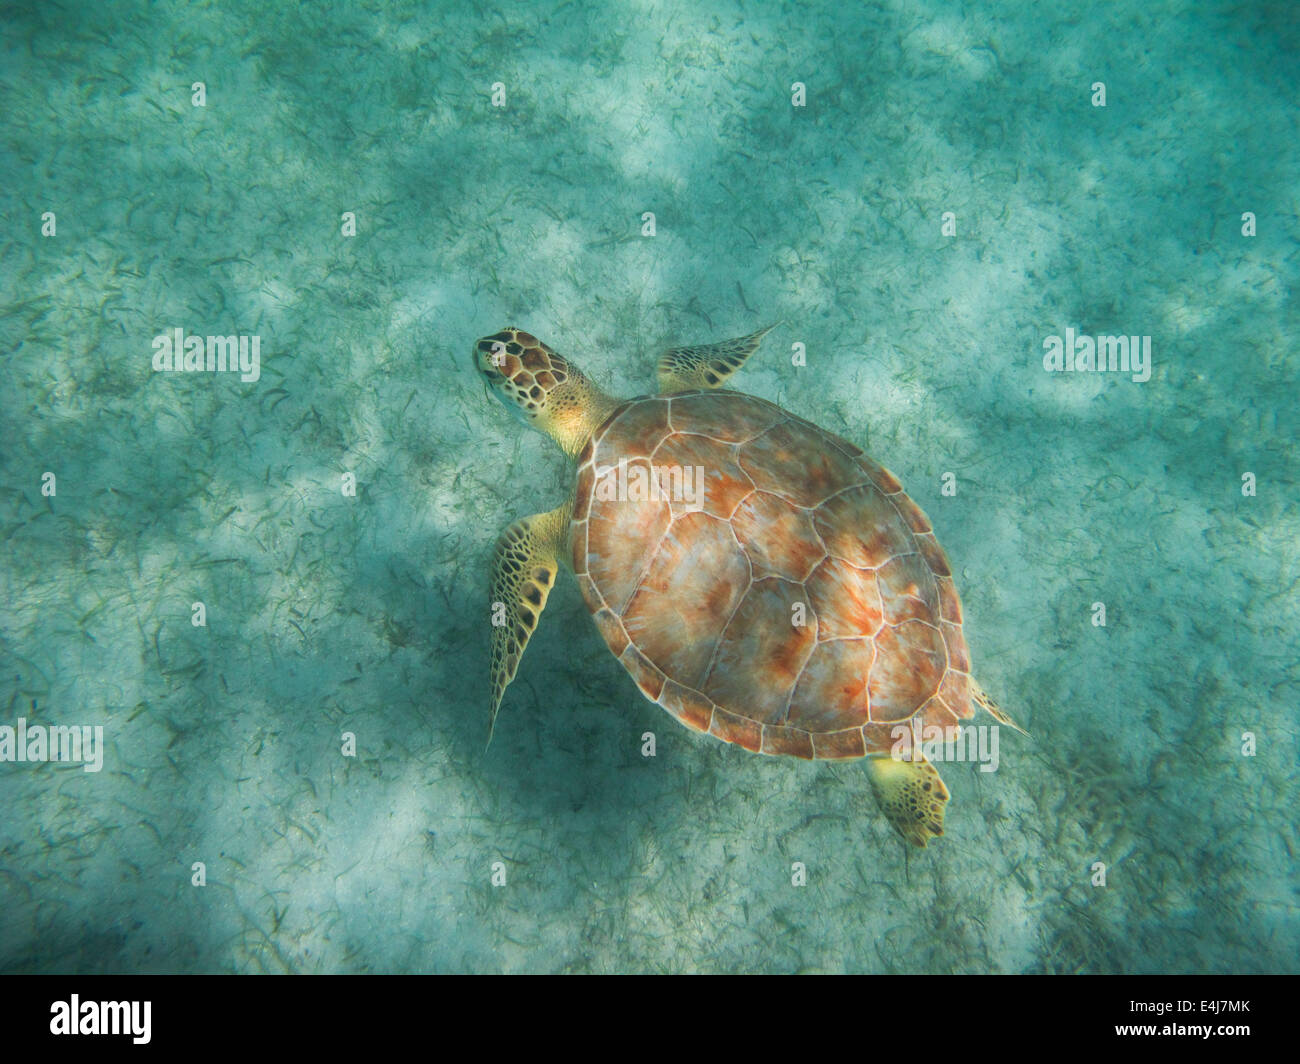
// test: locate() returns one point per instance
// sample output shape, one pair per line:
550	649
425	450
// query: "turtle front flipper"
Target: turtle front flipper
523	573
682	369
911	795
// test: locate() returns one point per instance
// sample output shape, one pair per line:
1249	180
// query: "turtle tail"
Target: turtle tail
981	699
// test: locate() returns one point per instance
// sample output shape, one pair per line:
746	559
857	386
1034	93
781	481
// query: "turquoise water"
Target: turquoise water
132	212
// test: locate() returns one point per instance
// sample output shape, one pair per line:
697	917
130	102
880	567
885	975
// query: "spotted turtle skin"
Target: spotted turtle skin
798	604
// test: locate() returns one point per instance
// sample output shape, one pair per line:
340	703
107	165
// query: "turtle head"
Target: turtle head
540	387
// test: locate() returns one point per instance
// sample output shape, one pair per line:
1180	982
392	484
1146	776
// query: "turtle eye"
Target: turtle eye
490	354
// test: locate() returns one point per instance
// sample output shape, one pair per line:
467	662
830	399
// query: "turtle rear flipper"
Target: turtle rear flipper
523	573
911	795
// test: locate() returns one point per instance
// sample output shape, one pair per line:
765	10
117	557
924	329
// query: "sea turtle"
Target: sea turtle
760	578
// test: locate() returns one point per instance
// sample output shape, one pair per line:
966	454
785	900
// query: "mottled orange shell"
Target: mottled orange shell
699	595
